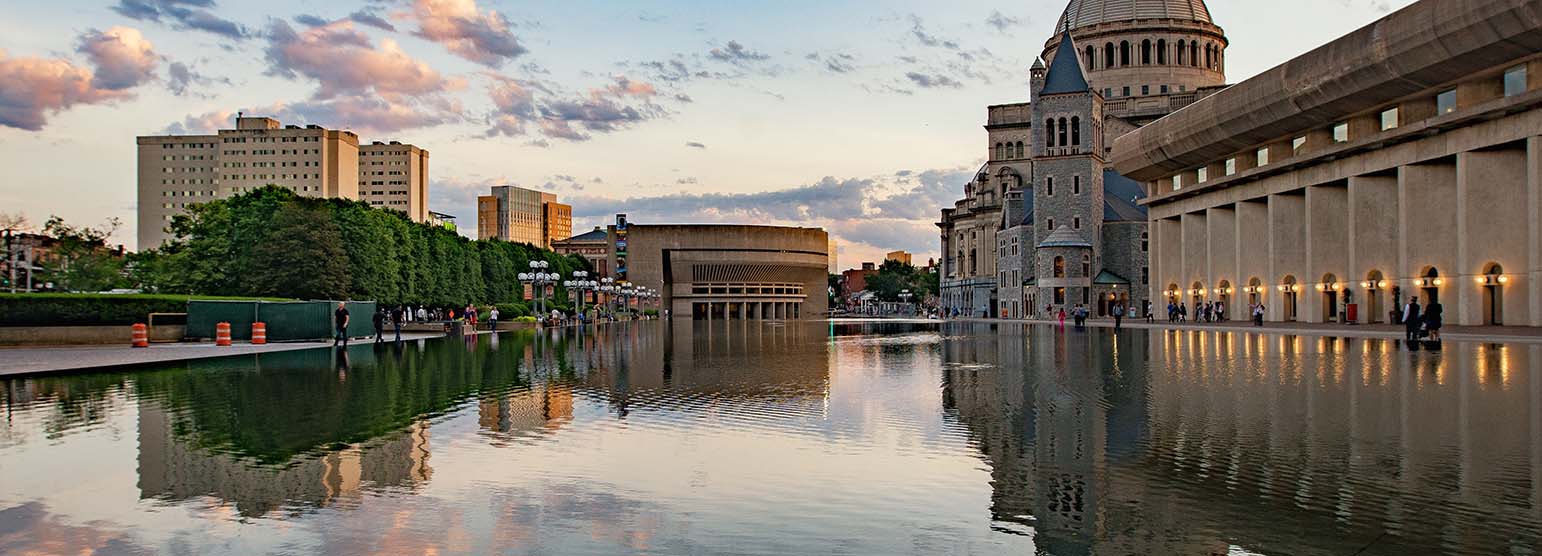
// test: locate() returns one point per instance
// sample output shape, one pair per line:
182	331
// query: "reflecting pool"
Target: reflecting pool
750	437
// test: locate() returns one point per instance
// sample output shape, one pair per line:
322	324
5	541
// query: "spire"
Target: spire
1065	72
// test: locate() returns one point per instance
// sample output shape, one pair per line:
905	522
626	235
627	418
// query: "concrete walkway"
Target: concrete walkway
37	360
1502	334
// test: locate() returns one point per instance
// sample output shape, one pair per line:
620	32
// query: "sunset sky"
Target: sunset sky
860	117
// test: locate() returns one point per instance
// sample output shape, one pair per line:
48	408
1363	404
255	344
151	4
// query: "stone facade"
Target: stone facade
1047	167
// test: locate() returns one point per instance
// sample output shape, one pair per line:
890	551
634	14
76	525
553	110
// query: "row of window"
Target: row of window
171	157
1076	223
1515	83
1057	129
382	153
1049	185
270	139
1187	53
1009	150
382	162
272	176
187	193
1108	92
187	145
184	170
189	181
389	173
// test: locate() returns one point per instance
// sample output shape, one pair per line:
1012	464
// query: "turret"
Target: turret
1036	78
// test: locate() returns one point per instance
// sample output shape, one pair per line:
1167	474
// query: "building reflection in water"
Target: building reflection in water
1183	442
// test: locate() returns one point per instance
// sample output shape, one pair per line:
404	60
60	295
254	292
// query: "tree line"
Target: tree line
271	242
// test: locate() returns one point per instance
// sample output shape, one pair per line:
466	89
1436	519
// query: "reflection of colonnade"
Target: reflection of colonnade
173	467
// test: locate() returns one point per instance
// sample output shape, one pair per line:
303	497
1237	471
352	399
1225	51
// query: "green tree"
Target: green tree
894	277
81	259
302	257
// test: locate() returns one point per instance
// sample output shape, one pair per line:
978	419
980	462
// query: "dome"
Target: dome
1086	13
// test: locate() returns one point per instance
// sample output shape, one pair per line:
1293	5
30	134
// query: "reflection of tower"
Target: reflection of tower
540	408
1069	447
173	467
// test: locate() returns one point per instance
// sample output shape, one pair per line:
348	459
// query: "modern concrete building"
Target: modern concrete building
180	170
522	215
899	256
1403	159
593	246
725	271
395	176
1112	66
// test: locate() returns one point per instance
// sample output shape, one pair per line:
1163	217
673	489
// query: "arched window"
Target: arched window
1124	53
1092	56
1183	52
1062	133
1000	151
1020	152
1059	269
1108	55
1162	52
1145	52
1049	132
1207	56
1086	265
1076	130
1194	53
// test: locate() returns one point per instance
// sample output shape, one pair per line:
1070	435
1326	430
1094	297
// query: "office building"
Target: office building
522	215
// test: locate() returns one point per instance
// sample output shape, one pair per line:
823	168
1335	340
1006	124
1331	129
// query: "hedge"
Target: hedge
89	309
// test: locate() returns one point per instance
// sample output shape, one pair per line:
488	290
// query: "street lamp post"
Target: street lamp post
581	284
905	296
538	278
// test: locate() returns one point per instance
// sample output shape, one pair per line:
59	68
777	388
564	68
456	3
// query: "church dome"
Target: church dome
1086	13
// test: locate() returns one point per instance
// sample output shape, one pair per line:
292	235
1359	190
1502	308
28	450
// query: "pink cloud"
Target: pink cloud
122	56
344	61
202	124
466	31
33	88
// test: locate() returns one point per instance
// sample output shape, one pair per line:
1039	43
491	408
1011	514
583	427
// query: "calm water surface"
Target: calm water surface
760	438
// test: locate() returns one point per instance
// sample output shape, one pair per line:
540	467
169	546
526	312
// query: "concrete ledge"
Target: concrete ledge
84	335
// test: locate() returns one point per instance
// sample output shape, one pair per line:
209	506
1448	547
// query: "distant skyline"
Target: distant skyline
860	117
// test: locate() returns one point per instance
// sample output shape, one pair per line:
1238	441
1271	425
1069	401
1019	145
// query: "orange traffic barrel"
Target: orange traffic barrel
222	334
259	333
141	336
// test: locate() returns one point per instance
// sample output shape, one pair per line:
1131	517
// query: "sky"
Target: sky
863	118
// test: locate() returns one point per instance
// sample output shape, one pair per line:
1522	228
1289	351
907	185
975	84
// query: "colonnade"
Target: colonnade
747	310
1461	229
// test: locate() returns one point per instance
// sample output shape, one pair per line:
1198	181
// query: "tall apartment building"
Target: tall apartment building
180	170
395	176
521	215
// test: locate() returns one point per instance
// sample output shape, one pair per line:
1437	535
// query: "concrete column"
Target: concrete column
1287	254
1167	259
1534	219
1489	188
1327	246
1373	245
1221	246
1195	254
1252	252
742	310
1427	225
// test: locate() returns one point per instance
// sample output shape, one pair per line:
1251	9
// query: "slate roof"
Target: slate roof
1119	198
1064	236
1065	72
597	234
1105	278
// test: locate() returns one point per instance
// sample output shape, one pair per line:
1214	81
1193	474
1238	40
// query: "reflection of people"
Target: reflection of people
342	365
1432	319
340	319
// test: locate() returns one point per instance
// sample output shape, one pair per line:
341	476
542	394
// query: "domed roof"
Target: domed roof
1086	13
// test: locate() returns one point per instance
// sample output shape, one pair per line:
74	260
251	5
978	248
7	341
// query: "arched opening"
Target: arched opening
1076	131
1223	293
1183	51
1375	286
1062	136
1289	290
1145	52
1049	133
1429	286
1086	266
1092	56
1020	152
1124	53
1108	55
1329	287
1194	53
1161	52
1493	282
1001	152
1207	57
1059	267
1255	291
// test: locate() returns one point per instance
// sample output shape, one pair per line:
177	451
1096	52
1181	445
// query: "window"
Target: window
1049	132
1231	166
1076	223
1062	133
1164	89
1177	182
1145	275
1145	89
1076	131
1145	242
1182	52
1059	269
1445	103
1145	52
1049	187
1161	51
1050	224
1124	53
1108	92
1263	156
1341	132
1076	185
1389	118
1194	53
1020	152
1092	56
1201	175
1515	80
1000	151
1125	92
1297	143
1108	55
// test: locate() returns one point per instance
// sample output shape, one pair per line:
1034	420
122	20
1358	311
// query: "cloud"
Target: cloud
310	20
363	17
736	54
180	79
344	61
182	14
930	81
695	145
382	114
466	31
31	89
523	104
202	124
122	56
829	198
918	30
928	191
1001	21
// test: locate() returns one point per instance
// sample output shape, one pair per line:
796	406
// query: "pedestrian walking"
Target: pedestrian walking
1411	319
492	319
340	320
378	319
1062	317
1118	316
397	316
1434	315
1258	314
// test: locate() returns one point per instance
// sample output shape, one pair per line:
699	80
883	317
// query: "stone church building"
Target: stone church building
1045	223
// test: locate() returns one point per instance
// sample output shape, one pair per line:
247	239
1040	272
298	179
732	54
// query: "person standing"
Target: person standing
1411	319
422	314
340	320
1434	314
378	319
492	319
397	316
1118	316
1258	314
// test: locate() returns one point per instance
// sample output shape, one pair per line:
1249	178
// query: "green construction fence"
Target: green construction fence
285	320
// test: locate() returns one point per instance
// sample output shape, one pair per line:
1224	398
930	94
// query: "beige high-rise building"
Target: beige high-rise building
394	175
900	256
522	215
180	170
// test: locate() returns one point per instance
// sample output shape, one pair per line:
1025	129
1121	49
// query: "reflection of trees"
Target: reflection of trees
73	401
